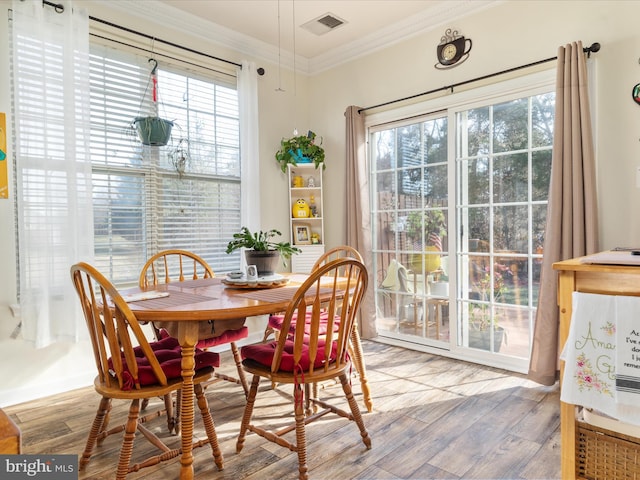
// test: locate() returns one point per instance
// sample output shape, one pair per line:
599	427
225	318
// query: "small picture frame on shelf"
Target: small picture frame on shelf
302	235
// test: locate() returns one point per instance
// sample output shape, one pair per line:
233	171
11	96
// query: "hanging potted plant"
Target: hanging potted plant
153	130
300	149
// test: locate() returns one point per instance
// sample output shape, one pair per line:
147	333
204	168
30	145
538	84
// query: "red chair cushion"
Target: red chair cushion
169	355
226	337
263	353
276	321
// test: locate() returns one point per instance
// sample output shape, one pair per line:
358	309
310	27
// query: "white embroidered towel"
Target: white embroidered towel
628	358
589	354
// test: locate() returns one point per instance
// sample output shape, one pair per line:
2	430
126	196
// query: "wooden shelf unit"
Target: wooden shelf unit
574	276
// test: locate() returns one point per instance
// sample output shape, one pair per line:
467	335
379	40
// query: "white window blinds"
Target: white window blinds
143	203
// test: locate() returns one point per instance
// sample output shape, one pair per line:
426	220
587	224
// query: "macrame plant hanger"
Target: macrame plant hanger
153	130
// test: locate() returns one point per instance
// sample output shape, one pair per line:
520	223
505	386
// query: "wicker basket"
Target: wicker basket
603	454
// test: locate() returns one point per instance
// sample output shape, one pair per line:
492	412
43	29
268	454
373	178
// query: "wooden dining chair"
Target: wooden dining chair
132	368
180	265
274	324
310	355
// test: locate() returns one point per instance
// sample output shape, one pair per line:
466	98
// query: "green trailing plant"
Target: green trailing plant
300	149
261	241
180	156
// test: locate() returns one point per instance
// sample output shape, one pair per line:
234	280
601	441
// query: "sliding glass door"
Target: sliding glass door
503	165
459	212
411	240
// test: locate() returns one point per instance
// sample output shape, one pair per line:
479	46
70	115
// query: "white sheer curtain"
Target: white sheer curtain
51	128
249	151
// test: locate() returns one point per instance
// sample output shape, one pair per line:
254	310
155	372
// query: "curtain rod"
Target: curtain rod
59	8
151	52
595	47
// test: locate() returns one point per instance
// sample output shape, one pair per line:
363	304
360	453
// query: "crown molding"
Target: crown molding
212	33
208	32
442	13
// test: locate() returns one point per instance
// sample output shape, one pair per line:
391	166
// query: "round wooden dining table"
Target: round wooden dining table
182	306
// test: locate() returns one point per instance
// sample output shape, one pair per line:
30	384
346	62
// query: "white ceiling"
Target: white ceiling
264	28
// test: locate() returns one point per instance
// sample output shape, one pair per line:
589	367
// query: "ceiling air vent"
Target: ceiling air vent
323	24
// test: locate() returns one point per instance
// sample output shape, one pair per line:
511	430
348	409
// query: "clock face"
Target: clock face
449	51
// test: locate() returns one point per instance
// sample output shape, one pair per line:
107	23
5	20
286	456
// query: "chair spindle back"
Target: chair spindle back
114	330
337	289
174	264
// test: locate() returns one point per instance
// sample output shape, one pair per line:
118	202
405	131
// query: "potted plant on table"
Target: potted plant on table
261	250
300	149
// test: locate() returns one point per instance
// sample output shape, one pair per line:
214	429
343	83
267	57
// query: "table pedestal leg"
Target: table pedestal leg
187	336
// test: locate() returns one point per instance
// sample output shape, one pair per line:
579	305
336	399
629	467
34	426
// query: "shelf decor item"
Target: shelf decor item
301	209
297	182
300	149
302	235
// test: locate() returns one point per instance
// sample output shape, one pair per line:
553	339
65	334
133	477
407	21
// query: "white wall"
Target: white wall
510	34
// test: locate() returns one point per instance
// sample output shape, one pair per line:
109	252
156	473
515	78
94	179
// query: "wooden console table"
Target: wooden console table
574	276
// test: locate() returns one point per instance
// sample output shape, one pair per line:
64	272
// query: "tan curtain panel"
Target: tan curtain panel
572	220
358	215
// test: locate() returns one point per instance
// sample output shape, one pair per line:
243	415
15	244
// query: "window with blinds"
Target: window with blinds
144	200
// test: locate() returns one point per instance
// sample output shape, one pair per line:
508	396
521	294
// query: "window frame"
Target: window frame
154	169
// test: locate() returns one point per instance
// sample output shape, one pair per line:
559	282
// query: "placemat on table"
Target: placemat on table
281	294
200	282
174	299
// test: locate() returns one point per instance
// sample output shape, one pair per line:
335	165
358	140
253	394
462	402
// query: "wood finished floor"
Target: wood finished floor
433	418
